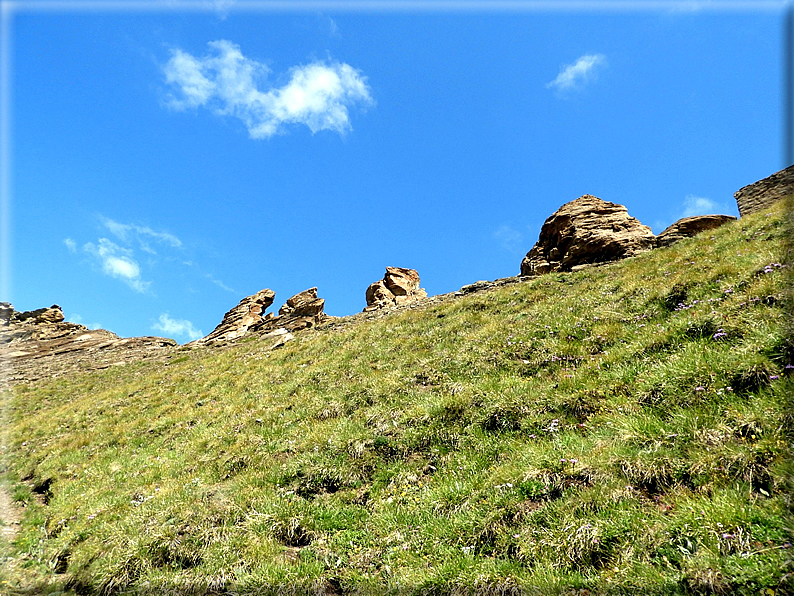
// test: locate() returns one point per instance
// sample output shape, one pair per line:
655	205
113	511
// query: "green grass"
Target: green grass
624	429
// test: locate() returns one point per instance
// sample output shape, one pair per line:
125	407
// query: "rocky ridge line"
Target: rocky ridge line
585	232
39	343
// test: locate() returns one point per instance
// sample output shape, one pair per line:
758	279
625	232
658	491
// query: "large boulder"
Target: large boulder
691	226
304	304
760	195
300	311
585	231
399	286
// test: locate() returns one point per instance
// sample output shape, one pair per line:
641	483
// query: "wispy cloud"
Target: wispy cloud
70	244
131	233
219	283
509	238
220	7
329	25
578	74
317	95
117	262
177	327
77	319
694	205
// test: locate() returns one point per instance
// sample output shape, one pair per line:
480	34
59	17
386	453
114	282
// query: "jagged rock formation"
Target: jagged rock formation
690	226
237	322
39	344
760	195
305	305
300	311
399	286
585	231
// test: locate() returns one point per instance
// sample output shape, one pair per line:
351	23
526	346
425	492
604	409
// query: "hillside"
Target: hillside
624	429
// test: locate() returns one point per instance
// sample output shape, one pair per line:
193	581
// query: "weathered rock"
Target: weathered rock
304	304
6	311
39	344
691	226
301	311
399	286
236	323
586	231
282	336
53	314
760	195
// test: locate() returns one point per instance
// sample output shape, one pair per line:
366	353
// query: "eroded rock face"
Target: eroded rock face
399	286
39	344
236	323
586	231
301	311
762	194
691	226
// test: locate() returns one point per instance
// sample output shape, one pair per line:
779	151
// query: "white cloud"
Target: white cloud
78	320
580	73
131	232
70	244
510	239
118	262
317	95
333	28
221	7
177	327
328	25
220	284
694	205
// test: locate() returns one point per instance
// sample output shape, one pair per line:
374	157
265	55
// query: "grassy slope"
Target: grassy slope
576	431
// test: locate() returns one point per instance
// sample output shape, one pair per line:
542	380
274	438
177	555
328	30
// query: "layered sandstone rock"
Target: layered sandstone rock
236	323
399	286
301	311
691	226
39	344
760	195
586	231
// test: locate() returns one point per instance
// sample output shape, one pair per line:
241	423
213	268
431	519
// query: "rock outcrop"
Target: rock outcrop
586	231
760	195
39	344
301	311
399	286
236	323
691	226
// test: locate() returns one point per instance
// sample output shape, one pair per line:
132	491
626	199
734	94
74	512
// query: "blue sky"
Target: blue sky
166	163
